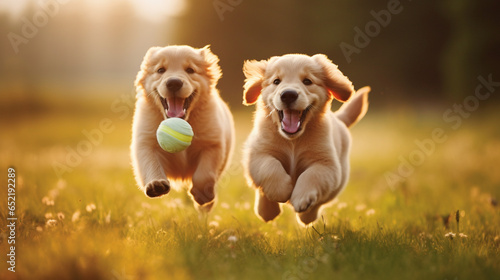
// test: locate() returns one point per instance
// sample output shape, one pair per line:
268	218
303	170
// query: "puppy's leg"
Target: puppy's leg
314	185
205	176
149	172
264	208
148	169
268	173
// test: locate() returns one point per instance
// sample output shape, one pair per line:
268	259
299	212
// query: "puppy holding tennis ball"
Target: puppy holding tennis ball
174	135
182	129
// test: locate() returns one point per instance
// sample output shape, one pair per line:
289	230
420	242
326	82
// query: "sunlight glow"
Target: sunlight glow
157	10
15	8
152	10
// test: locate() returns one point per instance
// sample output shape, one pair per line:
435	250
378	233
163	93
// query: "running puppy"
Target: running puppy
180	81
298	150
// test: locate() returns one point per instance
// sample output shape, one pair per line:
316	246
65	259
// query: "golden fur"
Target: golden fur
298	150
196	72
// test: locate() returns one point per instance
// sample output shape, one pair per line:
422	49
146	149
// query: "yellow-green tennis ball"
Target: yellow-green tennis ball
174	135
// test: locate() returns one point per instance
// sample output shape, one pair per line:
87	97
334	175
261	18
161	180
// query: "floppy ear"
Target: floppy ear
254	72
142	74
338	85
213	68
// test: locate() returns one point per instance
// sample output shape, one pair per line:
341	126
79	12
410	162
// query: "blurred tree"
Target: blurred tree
474	48
22	62
6	49
401	59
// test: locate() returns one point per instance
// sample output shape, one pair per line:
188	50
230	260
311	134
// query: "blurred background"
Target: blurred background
67	69
425	50
67	65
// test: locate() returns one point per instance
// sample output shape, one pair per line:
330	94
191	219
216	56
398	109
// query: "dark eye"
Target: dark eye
307	82
190	70
277	81
160	70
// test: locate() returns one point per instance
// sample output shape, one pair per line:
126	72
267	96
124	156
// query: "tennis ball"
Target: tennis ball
174	135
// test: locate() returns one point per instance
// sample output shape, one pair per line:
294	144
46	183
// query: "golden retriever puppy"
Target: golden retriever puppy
298	150
180	81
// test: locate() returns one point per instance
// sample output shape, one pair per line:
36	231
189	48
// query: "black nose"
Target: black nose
174	84
289	96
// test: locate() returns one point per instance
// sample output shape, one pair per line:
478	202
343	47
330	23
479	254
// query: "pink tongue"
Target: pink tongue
291	121
175	107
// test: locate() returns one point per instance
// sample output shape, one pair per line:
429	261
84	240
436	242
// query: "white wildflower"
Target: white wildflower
450	235
214	224
107	219
51	223
360	207
47	201
76	216
370	212
342	205
60	216
90	207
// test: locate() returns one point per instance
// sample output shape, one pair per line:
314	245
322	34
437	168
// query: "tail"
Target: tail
355	108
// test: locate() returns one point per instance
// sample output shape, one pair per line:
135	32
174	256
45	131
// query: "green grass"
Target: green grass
372	231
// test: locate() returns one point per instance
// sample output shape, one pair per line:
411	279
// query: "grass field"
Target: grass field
92	222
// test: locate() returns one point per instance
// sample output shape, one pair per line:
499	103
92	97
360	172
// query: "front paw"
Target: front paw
280	190
301	202
157	188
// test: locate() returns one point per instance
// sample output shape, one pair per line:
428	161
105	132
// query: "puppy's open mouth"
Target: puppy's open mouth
176	107
292	120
